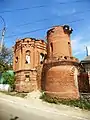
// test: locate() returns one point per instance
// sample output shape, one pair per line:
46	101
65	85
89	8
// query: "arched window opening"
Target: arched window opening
27	77
41	57
16	60
65	57
27	57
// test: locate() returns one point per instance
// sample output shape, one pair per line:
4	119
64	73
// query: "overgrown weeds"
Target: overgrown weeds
81	103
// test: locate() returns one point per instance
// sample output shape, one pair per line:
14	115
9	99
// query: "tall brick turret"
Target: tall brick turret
59	43
60	71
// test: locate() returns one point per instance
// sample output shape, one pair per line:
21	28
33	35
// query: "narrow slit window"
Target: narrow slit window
51	44
69	47
51	49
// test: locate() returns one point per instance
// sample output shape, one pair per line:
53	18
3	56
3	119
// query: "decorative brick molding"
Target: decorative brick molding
26	57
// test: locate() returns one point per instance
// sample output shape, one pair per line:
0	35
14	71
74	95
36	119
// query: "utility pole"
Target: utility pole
3	33
86	51
2	39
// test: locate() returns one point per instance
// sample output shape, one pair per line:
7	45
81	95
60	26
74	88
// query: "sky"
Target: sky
32	18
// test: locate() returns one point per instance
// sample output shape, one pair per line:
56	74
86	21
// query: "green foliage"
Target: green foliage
8	79
83	104
5	59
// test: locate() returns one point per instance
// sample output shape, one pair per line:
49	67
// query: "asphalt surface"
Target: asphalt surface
10	111
12	108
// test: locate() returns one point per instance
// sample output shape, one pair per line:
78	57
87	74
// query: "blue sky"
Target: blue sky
55	13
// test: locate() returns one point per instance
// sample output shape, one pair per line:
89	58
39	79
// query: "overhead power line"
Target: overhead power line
68	2
46	19
40	29
39	6
20	9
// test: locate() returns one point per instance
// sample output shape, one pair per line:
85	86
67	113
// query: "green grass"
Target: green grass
83	104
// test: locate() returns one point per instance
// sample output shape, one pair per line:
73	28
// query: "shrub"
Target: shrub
8	79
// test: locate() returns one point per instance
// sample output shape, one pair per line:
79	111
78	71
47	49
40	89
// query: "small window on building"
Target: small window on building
51	44
51	49
65	57
41	58
27	77
69	46
16	60
27	58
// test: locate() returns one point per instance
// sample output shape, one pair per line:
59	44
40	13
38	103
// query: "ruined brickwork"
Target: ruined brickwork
56	74
28	54
60	69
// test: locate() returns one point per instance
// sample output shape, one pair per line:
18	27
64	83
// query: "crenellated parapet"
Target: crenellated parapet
29	42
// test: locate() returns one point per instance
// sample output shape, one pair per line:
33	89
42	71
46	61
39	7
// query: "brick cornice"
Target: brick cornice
63	62
25	70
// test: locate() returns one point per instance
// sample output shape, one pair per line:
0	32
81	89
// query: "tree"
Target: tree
5	59
9	78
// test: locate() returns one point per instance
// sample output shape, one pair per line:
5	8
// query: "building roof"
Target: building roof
86	60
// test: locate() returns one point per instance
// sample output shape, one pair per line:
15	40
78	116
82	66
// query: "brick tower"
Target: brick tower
60	68
28	54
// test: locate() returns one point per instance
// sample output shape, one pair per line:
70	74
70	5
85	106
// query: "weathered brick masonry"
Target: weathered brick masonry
28	54
58	75
60	68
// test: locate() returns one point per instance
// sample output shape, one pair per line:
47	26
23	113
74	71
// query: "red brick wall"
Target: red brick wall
60	72
35	47
83	82
39	76
21	85
59	81
58	42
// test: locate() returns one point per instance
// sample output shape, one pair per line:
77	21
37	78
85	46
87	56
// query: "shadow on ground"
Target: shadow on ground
15	118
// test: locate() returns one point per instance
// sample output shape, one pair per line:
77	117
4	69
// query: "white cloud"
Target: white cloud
79	45
76	43
57	12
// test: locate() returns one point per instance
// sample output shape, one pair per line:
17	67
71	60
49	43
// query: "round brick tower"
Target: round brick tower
60	68
59	41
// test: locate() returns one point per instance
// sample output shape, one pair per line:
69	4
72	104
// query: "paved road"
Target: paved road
12	112
12	108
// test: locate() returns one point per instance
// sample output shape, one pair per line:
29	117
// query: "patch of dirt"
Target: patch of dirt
34	95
